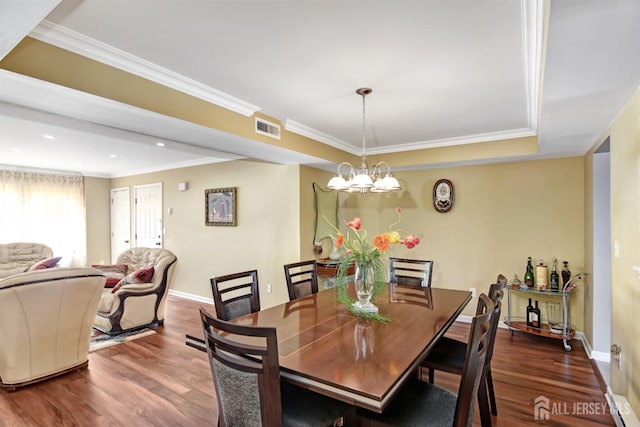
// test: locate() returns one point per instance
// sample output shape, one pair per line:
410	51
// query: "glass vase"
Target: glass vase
365	283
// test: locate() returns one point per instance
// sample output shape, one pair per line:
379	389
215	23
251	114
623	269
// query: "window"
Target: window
44	208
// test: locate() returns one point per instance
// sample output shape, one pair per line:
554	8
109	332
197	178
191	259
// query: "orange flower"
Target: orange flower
339	240
382	241
355	224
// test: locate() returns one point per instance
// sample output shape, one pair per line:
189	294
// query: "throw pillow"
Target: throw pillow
45	263
144	275
113	272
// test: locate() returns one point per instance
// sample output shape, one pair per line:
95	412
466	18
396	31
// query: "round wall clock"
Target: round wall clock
443	195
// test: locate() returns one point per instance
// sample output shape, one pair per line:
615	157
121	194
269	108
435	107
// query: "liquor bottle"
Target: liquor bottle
535	317
529	313
554	277
528	275
542	276
566	273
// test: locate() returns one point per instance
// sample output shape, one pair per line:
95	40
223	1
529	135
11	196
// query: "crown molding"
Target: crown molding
177	165
458	140
309	132
72	41
303	130
532	39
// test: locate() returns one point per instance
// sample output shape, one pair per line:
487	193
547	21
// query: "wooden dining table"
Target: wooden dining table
325	348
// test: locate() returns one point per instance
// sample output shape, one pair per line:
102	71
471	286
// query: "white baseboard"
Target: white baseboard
601	356
621	410
191	297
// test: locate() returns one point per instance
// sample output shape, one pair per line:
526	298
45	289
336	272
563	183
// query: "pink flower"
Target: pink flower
355	224
411	241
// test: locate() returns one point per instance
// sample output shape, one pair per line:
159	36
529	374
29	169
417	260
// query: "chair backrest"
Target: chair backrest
412	272
302	279
235	295
246	376
472	371
496	293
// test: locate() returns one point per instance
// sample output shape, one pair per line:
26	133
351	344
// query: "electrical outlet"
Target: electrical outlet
269	287
473	292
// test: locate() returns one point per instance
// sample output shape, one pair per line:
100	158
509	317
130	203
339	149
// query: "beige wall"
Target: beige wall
98	206
268	227
503	213
625	228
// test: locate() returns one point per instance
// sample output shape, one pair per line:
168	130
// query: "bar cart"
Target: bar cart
566	333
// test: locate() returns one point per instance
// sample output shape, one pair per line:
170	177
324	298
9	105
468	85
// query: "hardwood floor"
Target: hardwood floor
159	381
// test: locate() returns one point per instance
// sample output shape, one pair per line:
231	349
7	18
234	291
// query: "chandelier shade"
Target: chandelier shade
378	179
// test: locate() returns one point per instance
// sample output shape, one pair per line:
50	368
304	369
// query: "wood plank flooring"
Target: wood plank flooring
159	381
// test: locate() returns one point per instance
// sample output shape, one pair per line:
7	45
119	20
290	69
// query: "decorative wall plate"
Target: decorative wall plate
443	196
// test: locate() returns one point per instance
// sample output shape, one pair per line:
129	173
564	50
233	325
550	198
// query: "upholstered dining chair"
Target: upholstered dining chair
423	404
247	380
448	356
302	279
236	294
411	272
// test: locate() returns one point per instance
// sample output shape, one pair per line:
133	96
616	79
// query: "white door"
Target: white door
120	221
148	200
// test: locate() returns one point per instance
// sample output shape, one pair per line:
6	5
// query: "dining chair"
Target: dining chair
235	295
302	279
411	272
423	404
247	380
448	356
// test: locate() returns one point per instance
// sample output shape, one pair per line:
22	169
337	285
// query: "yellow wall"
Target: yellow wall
503	213
266	237
625	228
98	212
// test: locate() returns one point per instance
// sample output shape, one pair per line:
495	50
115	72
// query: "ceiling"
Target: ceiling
443	72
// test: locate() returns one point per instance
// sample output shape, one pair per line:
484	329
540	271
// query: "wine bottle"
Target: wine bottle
535	317
566	273
554	277
529	313
528	275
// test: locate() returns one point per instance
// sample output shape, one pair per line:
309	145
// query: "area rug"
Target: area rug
100	340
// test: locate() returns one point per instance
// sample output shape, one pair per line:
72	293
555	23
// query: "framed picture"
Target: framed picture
220	206
443	196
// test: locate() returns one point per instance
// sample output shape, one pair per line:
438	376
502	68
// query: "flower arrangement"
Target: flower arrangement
367	255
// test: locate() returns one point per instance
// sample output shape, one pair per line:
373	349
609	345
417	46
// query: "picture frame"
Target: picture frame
220	206
443	195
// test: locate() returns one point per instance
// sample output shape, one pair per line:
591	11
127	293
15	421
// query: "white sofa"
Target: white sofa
45	323
18	257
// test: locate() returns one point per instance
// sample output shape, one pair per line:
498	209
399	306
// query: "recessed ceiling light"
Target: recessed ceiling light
113	156
160	144
17	150
47	136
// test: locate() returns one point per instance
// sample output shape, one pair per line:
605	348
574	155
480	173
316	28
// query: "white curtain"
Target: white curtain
44	208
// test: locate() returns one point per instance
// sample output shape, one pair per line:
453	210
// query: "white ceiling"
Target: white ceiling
443	72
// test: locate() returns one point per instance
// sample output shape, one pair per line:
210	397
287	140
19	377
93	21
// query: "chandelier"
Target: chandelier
364	180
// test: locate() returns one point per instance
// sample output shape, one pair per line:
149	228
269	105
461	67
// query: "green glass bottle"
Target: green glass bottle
528	275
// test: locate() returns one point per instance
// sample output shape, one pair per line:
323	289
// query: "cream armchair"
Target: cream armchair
45	323
137	305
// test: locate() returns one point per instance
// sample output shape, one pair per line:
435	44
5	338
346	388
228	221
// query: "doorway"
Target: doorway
120	221
601	279
148	213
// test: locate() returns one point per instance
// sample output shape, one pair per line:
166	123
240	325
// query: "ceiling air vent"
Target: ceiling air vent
267	128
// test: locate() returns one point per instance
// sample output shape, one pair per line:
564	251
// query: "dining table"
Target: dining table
325	348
